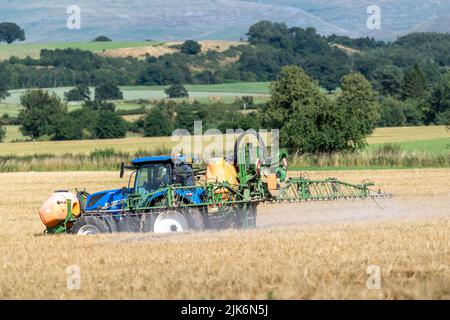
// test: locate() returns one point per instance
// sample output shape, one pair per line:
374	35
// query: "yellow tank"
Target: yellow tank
220	171
54	209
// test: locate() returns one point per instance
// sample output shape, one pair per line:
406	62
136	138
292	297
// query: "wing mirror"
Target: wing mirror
122	169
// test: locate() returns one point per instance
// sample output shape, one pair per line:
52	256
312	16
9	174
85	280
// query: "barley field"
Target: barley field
402	135
299	251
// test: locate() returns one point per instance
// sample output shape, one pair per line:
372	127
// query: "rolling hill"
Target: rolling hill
169	20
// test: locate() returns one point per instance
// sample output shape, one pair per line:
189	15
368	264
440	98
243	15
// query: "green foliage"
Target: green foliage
80	93
157	123
414	83
100	105
4	79
177	91
358	107
108	91
389	82
10	32
166	70
3	92
102	39
185	118
388	150
42	113
311	123
110	126
300	111
358	44
191	47
2	132
275	45
440	101
397	113
70	128
103	153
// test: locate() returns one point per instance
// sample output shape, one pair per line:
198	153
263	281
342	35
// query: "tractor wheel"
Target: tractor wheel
89	225
111	223
170	221
194	219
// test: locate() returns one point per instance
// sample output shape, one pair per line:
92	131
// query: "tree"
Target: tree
302	113
414	83
358	105
191	47
10	32
439	101
2	132
310	122
3	92
42	113
102	39
110	126
108	91
177	91
4	79
185	118
80	93
157	123
392	114
99	105
389	82
70	128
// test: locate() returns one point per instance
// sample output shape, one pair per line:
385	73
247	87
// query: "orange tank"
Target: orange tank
54	210
220	171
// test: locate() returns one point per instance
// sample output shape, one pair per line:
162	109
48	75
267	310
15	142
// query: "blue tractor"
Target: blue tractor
142	206
165	194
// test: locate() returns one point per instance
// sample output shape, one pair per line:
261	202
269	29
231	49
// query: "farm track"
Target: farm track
306	250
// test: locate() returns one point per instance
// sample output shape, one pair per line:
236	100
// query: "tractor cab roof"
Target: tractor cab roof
158	159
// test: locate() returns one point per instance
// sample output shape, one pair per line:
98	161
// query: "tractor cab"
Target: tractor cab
150	175
153	173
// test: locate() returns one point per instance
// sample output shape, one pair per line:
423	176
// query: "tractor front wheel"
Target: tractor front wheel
89	225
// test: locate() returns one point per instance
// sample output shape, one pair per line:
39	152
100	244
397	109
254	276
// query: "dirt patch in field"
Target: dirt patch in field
167	48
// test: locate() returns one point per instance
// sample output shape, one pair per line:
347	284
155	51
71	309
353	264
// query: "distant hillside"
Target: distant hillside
438	24
169	20
152	19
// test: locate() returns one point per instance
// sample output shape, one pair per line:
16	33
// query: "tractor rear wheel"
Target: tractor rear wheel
89	225
194	219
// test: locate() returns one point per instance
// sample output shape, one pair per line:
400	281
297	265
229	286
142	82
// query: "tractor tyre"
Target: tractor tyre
195	219
89	225
111	223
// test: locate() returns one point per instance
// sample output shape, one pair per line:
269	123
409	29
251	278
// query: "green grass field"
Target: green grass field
238	87
227	92
436	146
22	50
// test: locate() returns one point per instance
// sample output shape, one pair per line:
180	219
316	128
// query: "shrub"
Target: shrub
177	91
191	47
108	91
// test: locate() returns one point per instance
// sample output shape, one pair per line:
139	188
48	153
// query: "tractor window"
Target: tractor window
151	177
184	175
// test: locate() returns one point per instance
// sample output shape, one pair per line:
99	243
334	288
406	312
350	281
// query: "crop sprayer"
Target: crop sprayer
167	194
